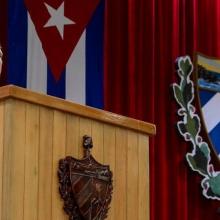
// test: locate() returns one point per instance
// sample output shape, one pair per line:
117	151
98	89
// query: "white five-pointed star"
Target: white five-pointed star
58	19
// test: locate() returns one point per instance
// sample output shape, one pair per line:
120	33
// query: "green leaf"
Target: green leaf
210	193
205	149
192	161
178	95
196	123
199	161
214	184
182	128
187	92
186	66
192	125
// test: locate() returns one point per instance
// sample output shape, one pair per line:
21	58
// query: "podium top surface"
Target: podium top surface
15	92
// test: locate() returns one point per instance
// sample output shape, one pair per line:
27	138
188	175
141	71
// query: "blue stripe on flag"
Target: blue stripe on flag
94	58
215	137
17	46
205	96
56	88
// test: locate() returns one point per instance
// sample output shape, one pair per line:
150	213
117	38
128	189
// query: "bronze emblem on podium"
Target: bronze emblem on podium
85	186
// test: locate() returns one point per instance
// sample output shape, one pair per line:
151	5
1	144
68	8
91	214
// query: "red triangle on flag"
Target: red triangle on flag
59	25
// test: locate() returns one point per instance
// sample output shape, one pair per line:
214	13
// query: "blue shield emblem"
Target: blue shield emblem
208	88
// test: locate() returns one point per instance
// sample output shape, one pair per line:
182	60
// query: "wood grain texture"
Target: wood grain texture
31	162
72	136
7	161
33	139
132	176
45	164
143	182
2	120
85	128
97	136
120	174
59	152
109	152
14	157
59	104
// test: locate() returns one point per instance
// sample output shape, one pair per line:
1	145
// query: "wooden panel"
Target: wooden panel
31	163
85	128
13	171
97	135
84	111
32	141
72	136
45	164
109	158
132	176
2	108
144	203
59	151
8	148
121	174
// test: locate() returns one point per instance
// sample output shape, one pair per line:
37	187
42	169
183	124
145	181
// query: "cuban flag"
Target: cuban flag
55	47
208	71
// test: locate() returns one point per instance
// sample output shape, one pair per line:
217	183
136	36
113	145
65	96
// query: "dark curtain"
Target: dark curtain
142	40
3	38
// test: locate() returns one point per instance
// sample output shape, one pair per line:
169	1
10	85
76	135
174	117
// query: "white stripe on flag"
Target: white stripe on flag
211	112
36	61
76	73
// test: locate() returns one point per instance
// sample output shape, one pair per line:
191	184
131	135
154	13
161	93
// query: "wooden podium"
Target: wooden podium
36	131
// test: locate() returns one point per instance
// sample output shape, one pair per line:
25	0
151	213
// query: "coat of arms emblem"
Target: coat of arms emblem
208	84
191	124
85	186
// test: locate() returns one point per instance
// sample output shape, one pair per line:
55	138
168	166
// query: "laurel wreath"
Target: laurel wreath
190	126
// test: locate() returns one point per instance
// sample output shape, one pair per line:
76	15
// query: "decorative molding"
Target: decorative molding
18	93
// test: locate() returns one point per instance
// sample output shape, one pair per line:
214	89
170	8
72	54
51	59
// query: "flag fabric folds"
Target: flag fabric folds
56	48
